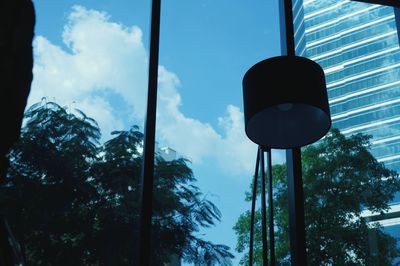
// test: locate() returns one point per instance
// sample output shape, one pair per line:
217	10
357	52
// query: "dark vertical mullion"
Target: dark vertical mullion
293	156
296	208
286	27
149	140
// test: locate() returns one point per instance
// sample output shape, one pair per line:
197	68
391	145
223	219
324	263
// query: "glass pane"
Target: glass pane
357	44
206	48
71	194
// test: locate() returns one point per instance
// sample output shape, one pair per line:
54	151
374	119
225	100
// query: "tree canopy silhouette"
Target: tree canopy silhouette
341	179
72	201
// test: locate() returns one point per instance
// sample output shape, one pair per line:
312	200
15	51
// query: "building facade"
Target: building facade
357	45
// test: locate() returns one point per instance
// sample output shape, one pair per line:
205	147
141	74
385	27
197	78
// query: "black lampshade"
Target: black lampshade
285	102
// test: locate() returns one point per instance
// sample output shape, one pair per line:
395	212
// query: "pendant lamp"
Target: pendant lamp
285	102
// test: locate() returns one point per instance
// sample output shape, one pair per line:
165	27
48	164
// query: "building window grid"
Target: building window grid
342	57
388	112
367	49
349	38
364	83
348	23
364	66
389	93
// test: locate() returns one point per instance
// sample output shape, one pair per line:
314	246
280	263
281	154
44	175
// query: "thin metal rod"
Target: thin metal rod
296	208
149	140
264	212
271	210
253	207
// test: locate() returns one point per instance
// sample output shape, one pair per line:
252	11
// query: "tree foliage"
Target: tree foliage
341	179
72	201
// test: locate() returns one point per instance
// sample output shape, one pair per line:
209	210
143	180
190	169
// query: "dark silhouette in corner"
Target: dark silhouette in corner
17	20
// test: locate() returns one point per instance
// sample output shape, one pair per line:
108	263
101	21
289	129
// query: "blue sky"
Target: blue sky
92	55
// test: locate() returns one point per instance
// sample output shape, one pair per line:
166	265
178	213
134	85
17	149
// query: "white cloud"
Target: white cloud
189	136
103	112
233	146
105	58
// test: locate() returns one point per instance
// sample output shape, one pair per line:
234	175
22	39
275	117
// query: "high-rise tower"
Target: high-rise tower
357	45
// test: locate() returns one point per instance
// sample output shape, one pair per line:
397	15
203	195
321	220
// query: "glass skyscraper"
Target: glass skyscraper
357	45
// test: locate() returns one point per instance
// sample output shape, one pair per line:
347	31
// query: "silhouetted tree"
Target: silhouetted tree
75	202
341	178
49	194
